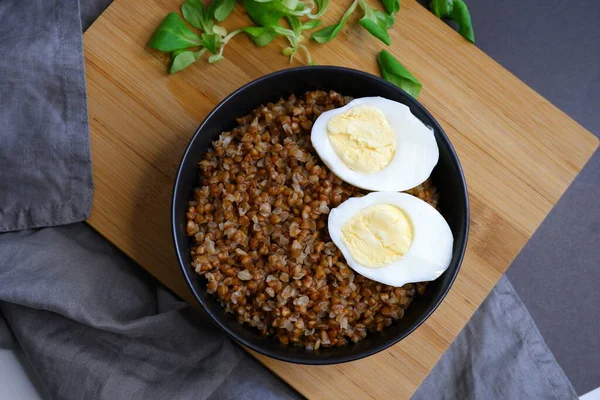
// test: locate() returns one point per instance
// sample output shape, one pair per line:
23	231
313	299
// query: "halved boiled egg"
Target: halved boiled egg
392	238
375	144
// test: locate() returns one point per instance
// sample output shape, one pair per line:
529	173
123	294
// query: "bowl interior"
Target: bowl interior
447	176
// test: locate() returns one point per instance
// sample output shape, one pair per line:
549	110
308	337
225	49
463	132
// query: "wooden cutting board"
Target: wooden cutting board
518	151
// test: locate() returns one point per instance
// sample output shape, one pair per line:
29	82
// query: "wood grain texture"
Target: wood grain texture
518	151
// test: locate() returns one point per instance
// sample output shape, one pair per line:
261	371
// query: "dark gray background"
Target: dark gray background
554	47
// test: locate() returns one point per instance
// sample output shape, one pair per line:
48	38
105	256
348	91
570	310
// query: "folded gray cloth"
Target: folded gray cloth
96	326
45	175
500	354
18	378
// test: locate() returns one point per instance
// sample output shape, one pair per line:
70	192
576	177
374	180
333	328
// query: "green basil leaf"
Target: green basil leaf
326	34
269	13
458	12
194	13
310	25
394	72
173	34
211	41
294	22
376	30
376	22
322	5
329	32
221	9
290	4
183	59
263	14
391	6
385	20
441	8
261	36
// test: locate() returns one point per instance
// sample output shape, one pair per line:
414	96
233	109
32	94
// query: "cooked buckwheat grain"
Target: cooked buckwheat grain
259	227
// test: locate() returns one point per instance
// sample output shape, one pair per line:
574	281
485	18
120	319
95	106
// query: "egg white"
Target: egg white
427	257
416	148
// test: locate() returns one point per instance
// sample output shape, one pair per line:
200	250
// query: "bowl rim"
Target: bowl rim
374	349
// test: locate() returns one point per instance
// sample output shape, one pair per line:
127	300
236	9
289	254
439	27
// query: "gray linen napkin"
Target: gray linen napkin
500	354
96	326
45	174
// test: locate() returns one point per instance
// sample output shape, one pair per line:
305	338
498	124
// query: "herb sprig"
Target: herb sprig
290	19
394	72
376	22
269	14
329	32
287	18
457	11
174	36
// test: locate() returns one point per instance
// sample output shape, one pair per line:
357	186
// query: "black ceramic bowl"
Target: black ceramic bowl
447	177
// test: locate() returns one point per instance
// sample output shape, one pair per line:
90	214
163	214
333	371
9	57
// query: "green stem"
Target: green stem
231	35
308	56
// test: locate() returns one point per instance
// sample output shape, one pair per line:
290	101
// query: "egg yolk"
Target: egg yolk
362	138
378	235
